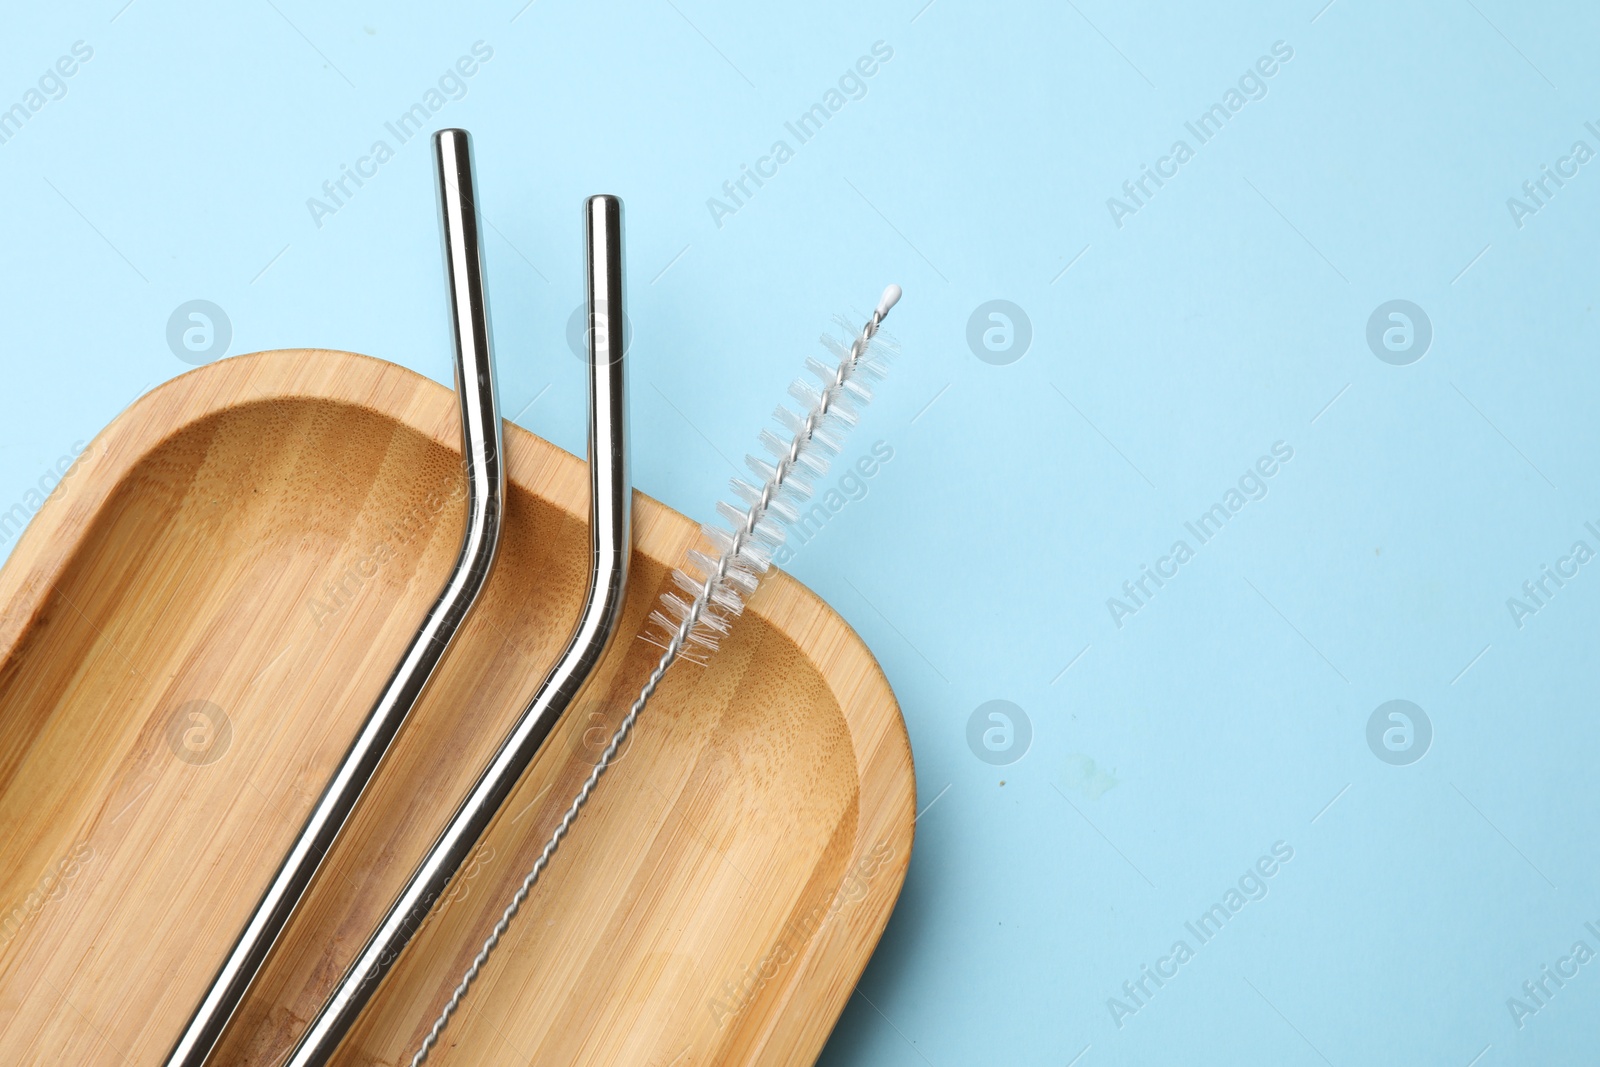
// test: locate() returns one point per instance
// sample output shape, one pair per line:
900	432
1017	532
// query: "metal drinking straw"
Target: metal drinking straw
611	540
481	447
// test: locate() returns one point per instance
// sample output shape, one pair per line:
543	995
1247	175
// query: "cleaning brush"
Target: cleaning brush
713	587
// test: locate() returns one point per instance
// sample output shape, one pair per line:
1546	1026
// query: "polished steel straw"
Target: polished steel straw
610	539
721	587
480	437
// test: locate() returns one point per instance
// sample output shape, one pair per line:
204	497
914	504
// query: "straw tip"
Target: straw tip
891	297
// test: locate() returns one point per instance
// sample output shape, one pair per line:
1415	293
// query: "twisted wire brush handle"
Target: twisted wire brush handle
732	561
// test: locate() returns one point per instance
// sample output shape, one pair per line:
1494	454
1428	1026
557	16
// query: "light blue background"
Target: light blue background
1226	315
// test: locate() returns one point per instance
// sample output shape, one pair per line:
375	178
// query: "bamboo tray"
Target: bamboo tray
201	613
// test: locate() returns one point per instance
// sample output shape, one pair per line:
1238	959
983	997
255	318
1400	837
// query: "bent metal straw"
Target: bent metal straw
718	587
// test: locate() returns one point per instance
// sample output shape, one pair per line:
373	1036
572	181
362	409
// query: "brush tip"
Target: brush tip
891	297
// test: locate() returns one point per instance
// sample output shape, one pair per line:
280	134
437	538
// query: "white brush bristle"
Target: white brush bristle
719	586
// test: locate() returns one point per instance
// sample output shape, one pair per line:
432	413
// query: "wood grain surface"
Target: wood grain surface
200	615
